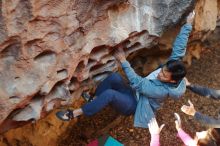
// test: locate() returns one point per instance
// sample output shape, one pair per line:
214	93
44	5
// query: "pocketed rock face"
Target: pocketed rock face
205	34
52	50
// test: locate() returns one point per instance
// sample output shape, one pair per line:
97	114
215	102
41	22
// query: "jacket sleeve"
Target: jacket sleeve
179	45
203	91
136	81
130	73
155	140
187	140
215	123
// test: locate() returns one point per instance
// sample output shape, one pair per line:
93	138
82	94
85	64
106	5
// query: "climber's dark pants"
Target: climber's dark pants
114	91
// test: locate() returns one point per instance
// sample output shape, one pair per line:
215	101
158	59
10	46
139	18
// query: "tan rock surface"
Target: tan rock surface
50	45
50	51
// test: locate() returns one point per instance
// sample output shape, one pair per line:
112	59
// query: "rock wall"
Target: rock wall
50	51
205	34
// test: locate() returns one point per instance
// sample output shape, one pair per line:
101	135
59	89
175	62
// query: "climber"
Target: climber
190	110
144	94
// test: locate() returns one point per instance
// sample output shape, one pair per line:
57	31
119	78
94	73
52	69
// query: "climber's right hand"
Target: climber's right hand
190	17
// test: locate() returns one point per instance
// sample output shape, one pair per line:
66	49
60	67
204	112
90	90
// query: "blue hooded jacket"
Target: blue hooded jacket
149	90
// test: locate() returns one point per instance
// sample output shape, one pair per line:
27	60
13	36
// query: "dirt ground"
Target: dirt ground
205	71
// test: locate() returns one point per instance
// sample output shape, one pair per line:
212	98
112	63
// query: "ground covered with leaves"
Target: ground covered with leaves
205	71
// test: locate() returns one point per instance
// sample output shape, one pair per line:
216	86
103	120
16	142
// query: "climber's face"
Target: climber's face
164	75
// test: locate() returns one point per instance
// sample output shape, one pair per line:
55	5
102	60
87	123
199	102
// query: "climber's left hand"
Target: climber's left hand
120	54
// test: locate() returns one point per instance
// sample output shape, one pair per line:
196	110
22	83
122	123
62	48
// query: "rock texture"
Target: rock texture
51	50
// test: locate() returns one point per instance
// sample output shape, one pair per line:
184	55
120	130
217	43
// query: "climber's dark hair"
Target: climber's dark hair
177	68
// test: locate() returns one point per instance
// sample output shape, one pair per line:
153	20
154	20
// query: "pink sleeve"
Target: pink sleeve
155	140
188	141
